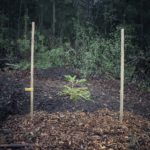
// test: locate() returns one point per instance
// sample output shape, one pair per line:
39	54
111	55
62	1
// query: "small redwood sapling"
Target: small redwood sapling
76	89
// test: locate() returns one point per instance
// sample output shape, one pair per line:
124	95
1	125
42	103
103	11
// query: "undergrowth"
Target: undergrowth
91	53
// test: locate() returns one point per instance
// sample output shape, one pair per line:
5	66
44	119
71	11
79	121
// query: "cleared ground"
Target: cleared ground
61	124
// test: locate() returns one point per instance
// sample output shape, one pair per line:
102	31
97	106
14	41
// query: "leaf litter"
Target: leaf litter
59	124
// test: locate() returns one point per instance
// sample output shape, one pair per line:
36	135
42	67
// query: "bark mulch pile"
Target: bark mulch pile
78	130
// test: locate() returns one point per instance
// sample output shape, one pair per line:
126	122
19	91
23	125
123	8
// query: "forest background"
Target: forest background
81	34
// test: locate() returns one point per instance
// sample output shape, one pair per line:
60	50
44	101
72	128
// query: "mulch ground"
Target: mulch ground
60	124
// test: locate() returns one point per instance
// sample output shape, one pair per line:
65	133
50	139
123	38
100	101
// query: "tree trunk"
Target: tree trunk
54	17
41	17
26	23
141	20
20	8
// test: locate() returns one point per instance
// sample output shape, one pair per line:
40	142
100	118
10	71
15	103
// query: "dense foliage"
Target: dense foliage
78	33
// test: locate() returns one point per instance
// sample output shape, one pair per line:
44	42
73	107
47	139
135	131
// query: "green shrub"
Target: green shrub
24	64
70	55
76	89
62	56
57	57
97	54
41	43
42	60
92	53
24	47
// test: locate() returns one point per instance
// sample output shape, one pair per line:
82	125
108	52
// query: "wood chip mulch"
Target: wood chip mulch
99	130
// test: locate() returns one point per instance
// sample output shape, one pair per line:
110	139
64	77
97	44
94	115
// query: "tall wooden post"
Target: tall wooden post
32	70
122	76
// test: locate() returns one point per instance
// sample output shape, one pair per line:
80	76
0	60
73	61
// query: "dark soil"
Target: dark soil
62	124
13	99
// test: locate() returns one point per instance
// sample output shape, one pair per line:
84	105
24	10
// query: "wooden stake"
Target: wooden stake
32	70
122	76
